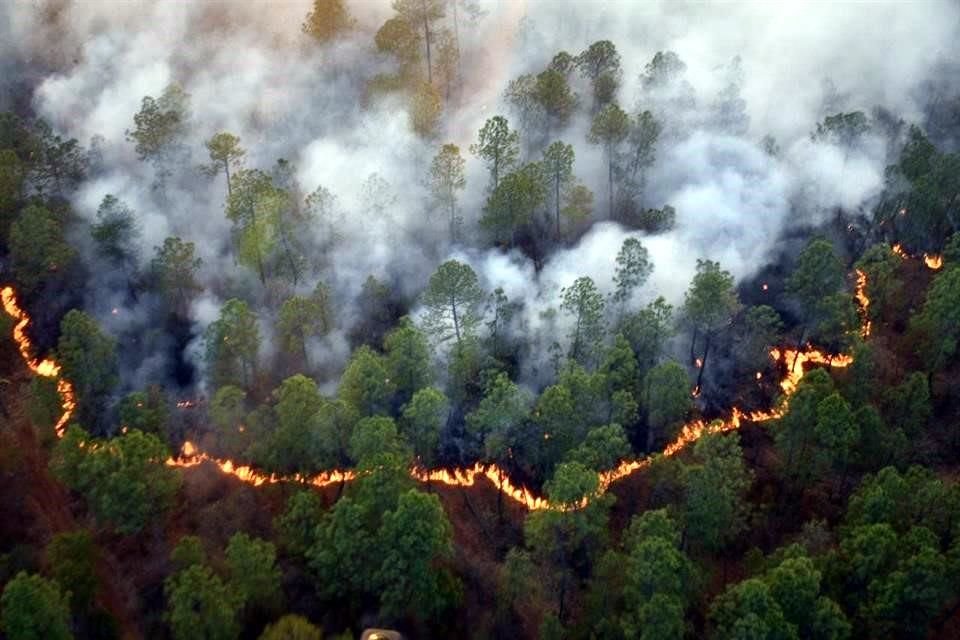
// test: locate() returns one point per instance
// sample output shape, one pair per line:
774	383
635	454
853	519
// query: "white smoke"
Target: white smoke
250	70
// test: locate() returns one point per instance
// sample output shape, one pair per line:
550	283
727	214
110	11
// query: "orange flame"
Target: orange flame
47	368
191	456
933	261
898	249
864	302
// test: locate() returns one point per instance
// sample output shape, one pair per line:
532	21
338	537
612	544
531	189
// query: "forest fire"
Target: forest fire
191	456
863	301
933	261
46	368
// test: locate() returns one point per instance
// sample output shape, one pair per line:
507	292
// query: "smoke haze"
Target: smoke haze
249	70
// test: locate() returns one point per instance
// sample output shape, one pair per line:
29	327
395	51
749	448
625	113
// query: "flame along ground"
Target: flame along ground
190	456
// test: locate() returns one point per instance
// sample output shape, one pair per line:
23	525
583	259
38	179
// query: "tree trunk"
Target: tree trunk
500	495
693	345
456	321
226	170
610	182
557	195
303	343
803	330
562	595
456	45
288	252
426	32
703	363
453	220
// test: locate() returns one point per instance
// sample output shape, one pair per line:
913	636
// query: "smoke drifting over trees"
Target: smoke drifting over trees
726	80
677	280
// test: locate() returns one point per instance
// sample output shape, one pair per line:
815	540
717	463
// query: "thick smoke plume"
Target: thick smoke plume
753	70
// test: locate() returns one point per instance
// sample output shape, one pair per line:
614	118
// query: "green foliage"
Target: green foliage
903	500
335	422
843	129
56	163
564	539
415	537
793	435
598	59
715	506
453	300
447	177
327	20
44	408
200	605
365	384
124	479
711	301
633	270
254	206
304	317
298	523
232	343
647	330
398	38
513	202
33	608
13	173
160	123
499	416
227	409
72	558
584	304
896	585
656	589
407	360
294	446
421	422
225	152
291	626
884	289
908	405
759	331
657	220
116	233
557	165
188	552
147	411
644	132
345	554
666	400
88	359
39	251
663	69
498	147
818	275
254	576
836	431
553	94
603	448
175	268
373	438
749	610
609	129
939	321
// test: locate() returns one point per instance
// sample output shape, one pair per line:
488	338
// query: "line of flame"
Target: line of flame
47	368
190	456
933	261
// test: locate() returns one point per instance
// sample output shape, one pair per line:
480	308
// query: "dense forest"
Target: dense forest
450	318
